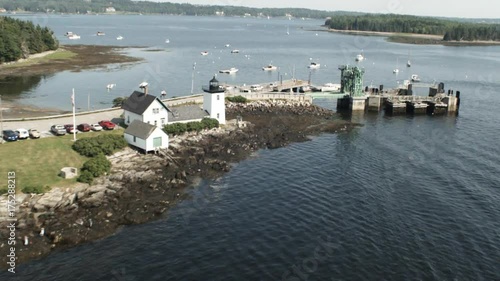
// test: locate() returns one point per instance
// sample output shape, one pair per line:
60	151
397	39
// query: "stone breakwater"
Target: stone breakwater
142	187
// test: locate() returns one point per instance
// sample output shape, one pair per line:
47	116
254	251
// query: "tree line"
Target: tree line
450	29
19	39
149	7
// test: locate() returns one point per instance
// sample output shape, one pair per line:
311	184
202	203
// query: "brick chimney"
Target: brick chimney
144	87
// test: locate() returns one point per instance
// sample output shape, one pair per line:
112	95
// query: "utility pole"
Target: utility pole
192	78
1	119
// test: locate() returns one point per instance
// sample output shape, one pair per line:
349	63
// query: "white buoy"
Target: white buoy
26	242
42	232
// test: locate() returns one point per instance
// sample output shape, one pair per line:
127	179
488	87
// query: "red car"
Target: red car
70	129
84	127
107	125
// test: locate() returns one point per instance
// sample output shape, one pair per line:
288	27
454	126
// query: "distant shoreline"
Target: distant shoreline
413	38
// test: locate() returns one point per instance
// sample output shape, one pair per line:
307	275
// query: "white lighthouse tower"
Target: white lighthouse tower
213	101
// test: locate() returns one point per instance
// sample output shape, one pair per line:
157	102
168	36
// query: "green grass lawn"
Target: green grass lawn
37	162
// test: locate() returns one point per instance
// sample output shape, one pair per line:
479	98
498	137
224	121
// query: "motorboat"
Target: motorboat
408	63
100	33
204	53
227	45
330	87
167	41
110	86
69	33
235	51
415	78
74	37
360	57
395	71
232	70
314	65
119	38
270	67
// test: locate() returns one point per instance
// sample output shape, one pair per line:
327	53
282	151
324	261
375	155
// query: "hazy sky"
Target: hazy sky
460	8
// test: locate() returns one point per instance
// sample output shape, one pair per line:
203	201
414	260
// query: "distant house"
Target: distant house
146	136
110	10
145	108
2	10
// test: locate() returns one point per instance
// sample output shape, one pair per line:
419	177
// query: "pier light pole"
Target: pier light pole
192	78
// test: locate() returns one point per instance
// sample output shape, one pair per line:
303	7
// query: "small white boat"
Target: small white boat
360	57
69	33
110	86
415	78
100	33
330	87
227	45
395	71
408	63
167	41
270	67
232	70
235	51
314	65
119	38
204	53
74	37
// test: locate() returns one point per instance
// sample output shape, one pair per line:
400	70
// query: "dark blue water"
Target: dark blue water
400	198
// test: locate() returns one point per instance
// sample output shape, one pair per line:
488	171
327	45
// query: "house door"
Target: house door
157	142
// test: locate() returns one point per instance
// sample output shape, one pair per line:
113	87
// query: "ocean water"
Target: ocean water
399	198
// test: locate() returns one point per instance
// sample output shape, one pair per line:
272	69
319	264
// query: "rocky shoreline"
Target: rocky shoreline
142	187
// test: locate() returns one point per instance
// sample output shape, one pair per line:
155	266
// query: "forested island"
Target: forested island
451	30
19	39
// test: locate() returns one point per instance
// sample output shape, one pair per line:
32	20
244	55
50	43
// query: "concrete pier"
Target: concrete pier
437	108
375	103
357	103
395	107
416	108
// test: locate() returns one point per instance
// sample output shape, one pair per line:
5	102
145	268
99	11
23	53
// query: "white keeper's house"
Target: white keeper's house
143	112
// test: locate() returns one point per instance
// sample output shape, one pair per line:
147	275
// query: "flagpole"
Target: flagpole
74	118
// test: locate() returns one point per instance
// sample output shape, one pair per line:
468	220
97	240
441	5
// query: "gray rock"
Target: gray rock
50	200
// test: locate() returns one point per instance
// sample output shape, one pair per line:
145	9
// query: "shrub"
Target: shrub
34	189
3	190
86	177
105	144
118	102
179	128
209	123
97	166
237	99
175	129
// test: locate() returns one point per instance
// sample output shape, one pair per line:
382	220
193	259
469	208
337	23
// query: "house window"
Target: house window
156	123
135	139
217	115
217	97
163	121
156	110
128	119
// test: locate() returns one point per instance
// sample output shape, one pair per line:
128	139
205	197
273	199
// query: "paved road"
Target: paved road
43	126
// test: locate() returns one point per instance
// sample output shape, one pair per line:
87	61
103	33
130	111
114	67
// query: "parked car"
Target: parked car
256	88
34	133
106	124
58	130
22	134
70	129
9	135
96	127
84	127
